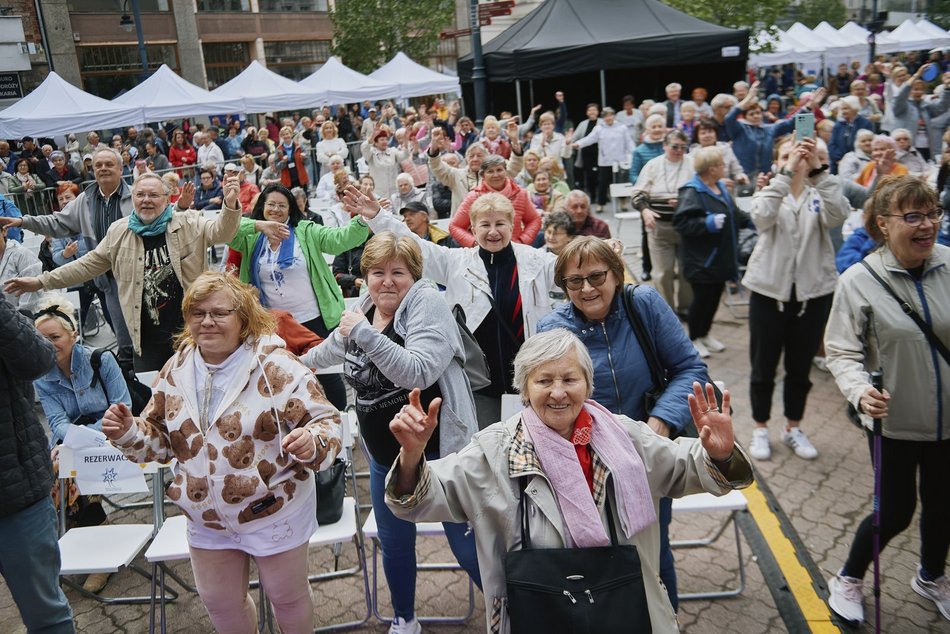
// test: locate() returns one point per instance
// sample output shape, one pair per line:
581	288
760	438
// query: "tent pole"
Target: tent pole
518	97
478	65
531	92
603	89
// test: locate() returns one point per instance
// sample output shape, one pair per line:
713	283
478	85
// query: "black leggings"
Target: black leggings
776	327
705	304
900	461
333	386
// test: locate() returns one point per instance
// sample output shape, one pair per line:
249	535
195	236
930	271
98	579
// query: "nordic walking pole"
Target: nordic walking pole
877	382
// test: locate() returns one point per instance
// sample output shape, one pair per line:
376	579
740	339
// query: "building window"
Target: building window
224	5
108	71
296	60
224	62
268	6
114	6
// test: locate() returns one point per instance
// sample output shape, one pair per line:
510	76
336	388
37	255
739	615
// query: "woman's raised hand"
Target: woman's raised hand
413	426
356	202
714	424
273	230
116	421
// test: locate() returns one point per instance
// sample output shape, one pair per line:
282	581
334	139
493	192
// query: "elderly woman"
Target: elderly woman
252	171
548	142
492	138
883	162
461	180
402	337
406	192
846	129
909	156
591	273
868	330
246	421
326	189
330	145
502	287
61	172
708	222
543	195
282	256
791	275
495	179
853	162
383	160
70	395
559	229
292	160
27	188
706	134
531	161
546	467
752	139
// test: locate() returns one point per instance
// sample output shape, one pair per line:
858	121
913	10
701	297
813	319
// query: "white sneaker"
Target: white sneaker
797	440
401	626
713	344
821	363
847	598
759	447
701	348
937	591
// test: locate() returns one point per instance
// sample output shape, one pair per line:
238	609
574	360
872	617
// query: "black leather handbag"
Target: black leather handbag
575	590
331	486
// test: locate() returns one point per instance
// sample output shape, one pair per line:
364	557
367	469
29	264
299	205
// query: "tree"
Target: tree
812	12
755	16
368	33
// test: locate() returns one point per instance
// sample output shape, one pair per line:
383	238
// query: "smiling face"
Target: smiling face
388	284
903	140
492	231
150	199
556	238
475	158
286	137
910	245
655	130
706	137
215	327
207	180
531	162
753	116
593	301
62	339
557	391
880	151
276	207
496	176
64	197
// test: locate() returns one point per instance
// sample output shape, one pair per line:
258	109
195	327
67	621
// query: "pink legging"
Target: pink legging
222	577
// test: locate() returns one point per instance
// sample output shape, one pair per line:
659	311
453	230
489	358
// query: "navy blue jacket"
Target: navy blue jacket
752	144
843	136
621	373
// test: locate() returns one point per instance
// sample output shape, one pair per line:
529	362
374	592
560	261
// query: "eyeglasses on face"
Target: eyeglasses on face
916	218
576	282
277	206
676	146
218	315
148	196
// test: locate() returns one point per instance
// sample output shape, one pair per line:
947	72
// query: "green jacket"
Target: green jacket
315	240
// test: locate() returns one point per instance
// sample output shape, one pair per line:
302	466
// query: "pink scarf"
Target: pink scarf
614	446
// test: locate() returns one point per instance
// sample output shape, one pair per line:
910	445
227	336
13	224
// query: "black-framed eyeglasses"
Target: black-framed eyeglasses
677	146
916	218
217	315
576	282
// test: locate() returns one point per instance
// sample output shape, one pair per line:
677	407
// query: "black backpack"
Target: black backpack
138	391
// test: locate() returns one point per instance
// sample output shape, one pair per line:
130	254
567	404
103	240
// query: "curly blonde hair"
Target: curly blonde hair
256	321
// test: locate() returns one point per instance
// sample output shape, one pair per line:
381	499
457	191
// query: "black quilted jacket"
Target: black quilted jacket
26	473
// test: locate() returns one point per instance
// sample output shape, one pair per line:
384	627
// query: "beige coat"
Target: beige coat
867	330
479	485
189	236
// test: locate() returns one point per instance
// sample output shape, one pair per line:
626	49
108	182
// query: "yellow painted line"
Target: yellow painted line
813	607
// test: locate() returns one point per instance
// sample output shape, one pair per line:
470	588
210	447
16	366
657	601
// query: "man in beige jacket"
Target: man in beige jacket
154	254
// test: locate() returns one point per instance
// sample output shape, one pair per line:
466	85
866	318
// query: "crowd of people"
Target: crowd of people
343	204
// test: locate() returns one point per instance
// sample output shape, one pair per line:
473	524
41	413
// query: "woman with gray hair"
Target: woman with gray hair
556	455
406	192
883	162
853	162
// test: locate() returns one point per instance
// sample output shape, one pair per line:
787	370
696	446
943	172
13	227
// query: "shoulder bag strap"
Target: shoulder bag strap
643	338
523	514
501	320
95	360
910	312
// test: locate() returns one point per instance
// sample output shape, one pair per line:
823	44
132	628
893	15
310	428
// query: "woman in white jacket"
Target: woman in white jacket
330	145
792	276
503	287
614	146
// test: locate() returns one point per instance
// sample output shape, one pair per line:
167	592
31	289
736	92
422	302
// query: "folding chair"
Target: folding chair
731	503
619	190
426	529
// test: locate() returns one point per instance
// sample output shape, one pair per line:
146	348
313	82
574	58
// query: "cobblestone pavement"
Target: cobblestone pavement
824	498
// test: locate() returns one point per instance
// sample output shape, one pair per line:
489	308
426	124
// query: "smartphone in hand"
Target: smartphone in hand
804	125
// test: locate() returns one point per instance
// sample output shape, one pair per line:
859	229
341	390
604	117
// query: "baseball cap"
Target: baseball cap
415	206
87	157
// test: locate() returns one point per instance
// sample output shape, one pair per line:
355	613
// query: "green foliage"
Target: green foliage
812	12
754	15
368	33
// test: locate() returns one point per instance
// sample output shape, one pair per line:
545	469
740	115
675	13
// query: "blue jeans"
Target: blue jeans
667	569
29	562
398	540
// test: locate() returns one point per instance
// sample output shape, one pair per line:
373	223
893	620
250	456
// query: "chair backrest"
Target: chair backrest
441	223
510	405
147	378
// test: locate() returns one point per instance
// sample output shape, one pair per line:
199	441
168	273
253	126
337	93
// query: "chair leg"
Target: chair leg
722	594
118	600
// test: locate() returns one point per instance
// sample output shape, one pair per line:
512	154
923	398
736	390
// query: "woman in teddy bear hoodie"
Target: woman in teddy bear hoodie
247	423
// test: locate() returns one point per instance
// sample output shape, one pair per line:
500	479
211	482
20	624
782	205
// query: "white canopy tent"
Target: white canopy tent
846	48
341	84
58	107
165	95
786	49
264	90
414	80
942	37
910	38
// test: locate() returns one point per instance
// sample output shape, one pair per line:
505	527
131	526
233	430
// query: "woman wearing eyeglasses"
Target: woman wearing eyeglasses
282	256
868	330
591	273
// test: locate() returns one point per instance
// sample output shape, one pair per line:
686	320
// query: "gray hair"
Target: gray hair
673	86
111	150
893	132
404	178
546	347
863	134
153	176
723	99
491	161
577	193
559	220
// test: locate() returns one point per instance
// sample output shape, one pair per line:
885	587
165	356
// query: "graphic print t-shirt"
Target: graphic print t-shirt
162	293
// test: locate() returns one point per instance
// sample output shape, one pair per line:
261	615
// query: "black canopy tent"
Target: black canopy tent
645	44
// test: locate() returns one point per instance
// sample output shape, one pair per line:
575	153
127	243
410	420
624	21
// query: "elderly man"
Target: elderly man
90	214
416	217
672	104
577	204
155	254
5	156
740	90
92	143
208	152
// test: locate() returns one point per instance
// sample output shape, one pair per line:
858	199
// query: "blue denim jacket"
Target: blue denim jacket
64	400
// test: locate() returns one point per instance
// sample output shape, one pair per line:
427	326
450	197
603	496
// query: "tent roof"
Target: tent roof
934	31
414	80
911	38
569	36
58	107
264	90
165	95
342	84
785	50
